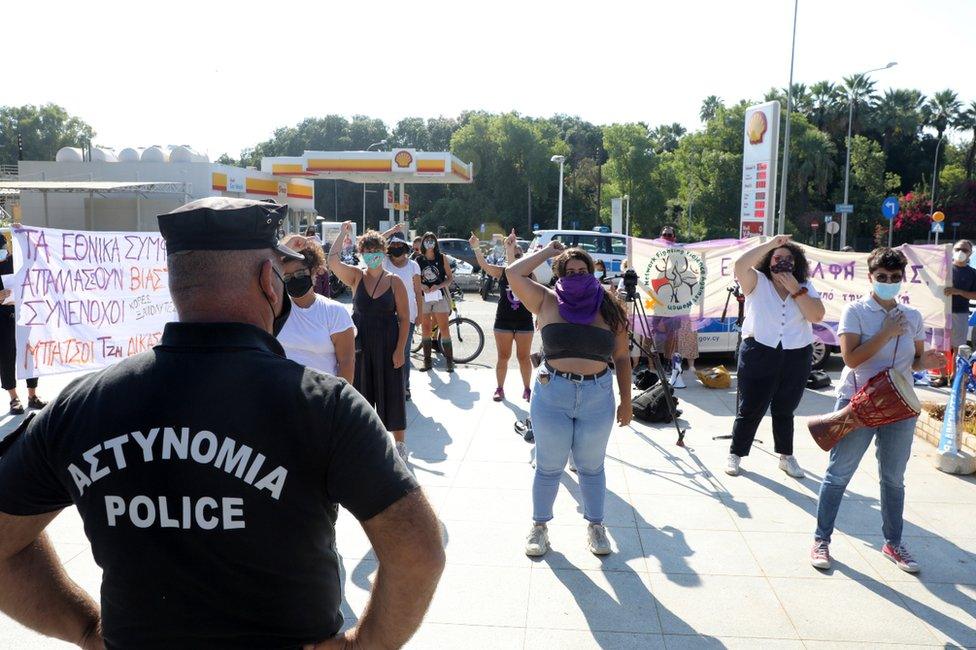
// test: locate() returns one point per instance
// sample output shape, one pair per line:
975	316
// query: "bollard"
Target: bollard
950	458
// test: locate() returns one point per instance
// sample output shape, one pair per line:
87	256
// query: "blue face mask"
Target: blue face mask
886	290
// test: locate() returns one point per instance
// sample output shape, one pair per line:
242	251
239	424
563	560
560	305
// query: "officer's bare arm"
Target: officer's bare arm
407	540
35	590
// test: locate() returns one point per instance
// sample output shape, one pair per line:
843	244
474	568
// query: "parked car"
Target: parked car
464	276
609	247
459	249
721	336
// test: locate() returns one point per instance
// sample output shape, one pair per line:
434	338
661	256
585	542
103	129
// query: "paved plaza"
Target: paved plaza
701	559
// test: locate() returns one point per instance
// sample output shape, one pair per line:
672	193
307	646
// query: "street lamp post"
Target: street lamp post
786	142
847	164
935	178
375	144
627	199
559	214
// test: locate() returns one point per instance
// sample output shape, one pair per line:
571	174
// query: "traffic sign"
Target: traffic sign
815	225
828	218
833	227
535	226
938	217
938	227
482	229
890	207
844	208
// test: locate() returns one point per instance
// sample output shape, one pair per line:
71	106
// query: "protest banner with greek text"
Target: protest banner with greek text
85	300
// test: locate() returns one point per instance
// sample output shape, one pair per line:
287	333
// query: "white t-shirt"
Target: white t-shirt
772	321
307	334
865	317
406	273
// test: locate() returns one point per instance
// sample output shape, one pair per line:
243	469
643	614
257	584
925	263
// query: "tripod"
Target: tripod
740	299
630	286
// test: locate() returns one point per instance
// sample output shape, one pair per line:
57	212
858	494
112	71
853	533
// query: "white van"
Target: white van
609	247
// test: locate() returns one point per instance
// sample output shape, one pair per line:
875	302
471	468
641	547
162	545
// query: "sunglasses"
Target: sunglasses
886	278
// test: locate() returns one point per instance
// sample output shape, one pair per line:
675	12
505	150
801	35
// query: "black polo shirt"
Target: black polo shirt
206	471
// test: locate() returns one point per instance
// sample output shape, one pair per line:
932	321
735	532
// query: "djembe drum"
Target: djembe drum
886	398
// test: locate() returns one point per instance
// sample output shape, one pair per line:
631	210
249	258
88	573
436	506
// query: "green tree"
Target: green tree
967	122
630	163
709	107
43	129
942	111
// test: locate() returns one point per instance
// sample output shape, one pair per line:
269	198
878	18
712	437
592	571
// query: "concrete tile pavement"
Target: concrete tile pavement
702	560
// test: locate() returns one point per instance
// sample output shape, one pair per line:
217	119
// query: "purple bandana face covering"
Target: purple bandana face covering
579	298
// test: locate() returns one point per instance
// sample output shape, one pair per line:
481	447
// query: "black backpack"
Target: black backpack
652	406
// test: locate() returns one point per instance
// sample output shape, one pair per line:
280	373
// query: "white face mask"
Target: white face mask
961	256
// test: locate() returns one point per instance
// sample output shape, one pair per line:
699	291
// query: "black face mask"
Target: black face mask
298	286
279	319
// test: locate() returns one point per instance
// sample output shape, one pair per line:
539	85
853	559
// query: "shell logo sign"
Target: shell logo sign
756	128
404	161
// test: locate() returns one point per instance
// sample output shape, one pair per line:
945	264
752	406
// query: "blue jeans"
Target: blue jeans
406	357
571	416
894	447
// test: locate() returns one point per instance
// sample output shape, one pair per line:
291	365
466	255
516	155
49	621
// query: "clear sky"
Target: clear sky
221	76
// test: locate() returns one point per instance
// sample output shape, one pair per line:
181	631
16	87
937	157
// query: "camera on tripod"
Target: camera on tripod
630	284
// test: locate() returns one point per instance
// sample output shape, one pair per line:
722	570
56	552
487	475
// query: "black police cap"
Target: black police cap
220	223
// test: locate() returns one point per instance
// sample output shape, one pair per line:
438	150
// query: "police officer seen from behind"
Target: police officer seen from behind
206	471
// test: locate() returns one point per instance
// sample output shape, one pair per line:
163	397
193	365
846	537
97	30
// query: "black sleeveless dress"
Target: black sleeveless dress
377	331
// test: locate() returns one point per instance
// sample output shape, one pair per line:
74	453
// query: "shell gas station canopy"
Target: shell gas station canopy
393	168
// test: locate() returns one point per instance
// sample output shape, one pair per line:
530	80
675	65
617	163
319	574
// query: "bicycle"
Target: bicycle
468	338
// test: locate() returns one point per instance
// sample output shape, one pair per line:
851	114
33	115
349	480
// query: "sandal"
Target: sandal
35	402
16	408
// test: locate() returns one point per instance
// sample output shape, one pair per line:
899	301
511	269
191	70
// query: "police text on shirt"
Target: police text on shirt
177	444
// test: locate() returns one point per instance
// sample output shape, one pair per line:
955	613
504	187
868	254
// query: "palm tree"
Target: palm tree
967	121
823	103
709	107
898	114
942	110
859	91
666	136
815	164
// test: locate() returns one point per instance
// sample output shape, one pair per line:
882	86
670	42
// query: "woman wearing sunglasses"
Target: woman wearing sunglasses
876	333
777	346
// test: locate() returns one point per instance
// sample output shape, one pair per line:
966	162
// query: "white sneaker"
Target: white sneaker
597	540
732	465
401	448
789	465
537	542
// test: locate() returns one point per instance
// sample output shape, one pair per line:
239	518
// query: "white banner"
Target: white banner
693	279
85	300
616	215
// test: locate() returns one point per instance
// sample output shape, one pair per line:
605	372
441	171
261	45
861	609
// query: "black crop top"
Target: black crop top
569	341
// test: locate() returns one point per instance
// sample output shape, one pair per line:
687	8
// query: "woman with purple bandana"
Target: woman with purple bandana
513	322
583	328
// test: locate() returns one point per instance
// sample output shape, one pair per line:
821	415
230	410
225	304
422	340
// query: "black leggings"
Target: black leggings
768	377
8	351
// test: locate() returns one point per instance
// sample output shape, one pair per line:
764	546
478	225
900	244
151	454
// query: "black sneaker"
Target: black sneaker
16	408
407	394
35	402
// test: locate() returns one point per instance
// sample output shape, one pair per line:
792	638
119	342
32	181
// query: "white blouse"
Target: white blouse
773	321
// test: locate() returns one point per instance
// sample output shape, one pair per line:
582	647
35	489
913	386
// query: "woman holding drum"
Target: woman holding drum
877	336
